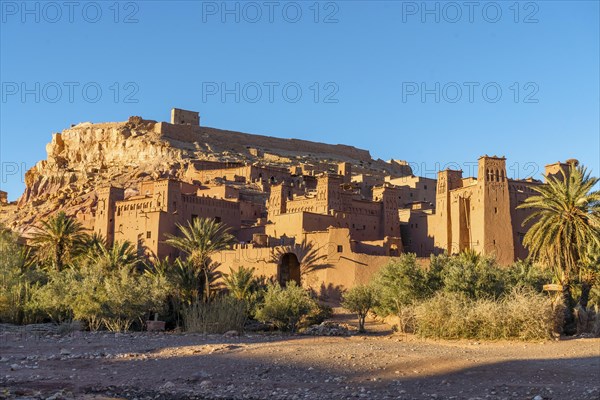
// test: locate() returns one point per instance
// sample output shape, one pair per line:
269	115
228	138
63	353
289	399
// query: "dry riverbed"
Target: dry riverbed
382	365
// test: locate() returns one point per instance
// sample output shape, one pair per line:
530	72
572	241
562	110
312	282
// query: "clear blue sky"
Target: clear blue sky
372	57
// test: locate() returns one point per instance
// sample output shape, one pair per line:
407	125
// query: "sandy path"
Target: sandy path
376	366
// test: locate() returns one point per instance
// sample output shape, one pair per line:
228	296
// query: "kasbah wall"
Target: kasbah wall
354	222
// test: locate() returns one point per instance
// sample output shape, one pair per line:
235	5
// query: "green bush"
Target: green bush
129	297
54	299
318	313
222	314
521	314
285	307
17	278
360	299
528	275
99	297
399	284
474	275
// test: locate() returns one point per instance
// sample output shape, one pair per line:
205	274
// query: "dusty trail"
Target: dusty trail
377	366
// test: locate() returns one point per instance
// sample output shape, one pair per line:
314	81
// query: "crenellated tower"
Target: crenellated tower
493	226
278	198
104	223
390	203
447	181
329	196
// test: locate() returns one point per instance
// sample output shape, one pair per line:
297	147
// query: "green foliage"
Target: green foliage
200	239
285	307
399	284
121	255
437	264
243	285
463	296
473	275
360	300
183	284
54	299
113	297
318	313
564	222
528	275
222	314
17	276
129	297
522	314
58	241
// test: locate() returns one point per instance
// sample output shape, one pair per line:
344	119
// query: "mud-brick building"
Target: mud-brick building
354	235
477	213
146	218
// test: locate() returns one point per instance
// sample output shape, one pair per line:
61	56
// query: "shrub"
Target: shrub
399	284
474	275
527	274
318	313
115	299
129	297
522	314
55	298
360	300
89	297
221	315
285	307
17	277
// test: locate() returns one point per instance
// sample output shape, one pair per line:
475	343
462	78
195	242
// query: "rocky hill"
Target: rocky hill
91	155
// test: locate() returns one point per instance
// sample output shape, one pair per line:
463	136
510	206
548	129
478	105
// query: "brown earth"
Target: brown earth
379	365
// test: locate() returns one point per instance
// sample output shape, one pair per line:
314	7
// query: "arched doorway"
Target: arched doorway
289	269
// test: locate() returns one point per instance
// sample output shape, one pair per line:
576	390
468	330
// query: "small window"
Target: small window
340	248
148	234
425	186
495	210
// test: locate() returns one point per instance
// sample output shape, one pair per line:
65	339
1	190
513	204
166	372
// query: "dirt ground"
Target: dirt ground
379	365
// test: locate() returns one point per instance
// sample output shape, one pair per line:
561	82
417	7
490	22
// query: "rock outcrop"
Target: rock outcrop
87	156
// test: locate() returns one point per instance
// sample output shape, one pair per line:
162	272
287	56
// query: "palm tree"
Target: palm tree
565	220
58	240
94	243
199	240
240	283
589	272
122	255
